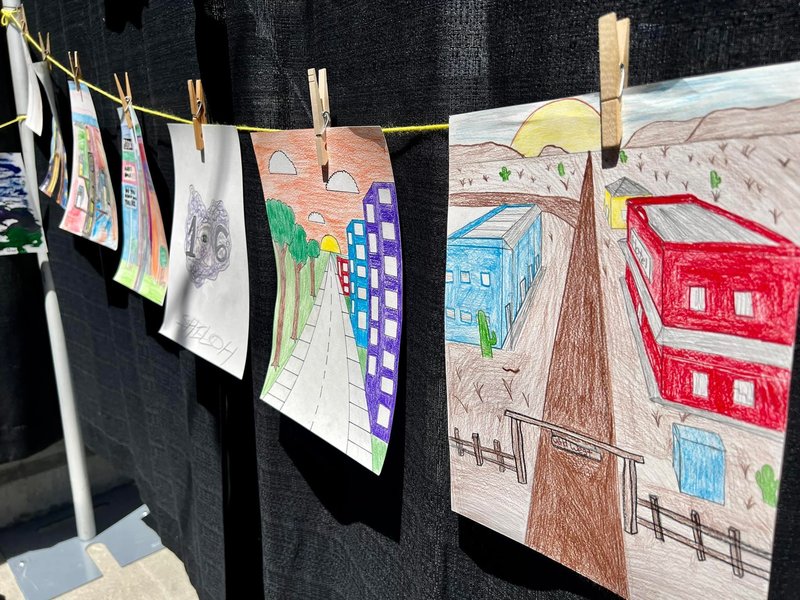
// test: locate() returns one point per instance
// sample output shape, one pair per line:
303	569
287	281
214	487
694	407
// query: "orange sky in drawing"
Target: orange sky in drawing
361	151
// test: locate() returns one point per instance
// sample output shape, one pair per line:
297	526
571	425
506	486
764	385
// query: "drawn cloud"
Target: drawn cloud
281	164
316	217
342	181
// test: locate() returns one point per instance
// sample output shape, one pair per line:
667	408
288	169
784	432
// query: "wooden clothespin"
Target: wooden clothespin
614	42
125	98
23	21
44	44
75	67
197	104
321	112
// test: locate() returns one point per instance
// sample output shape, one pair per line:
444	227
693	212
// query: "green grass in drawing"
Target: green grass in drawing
379	448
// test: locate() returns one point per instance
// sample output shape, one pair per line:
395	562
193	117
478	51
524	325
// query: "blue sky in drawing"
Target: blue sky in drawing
679	99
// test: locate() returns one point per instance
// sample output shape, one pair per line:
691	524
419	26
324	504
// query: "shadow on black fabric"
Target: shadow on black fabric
119	14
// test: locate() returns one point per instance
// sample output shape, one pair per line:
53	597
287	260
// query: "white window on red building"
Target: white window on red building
372	364
345	268
697	298
743	303
700	384
744	393
346	278
642	255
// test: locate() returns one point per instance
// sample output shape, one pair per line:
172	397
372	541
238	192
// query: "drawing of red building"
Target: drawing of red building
715	297
343	270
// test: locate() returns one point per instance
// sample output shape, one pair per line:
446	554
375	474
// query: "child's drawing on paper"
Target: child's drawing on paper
20	231
144	266
91	210
56	181
336	336
619	341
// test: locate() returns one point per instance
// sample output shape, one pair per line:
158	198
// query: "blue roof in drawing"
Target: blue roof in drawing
501	226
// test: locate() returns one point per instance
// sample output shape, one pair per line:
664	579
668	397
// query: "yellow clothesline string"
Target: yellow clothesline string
12	121
8	17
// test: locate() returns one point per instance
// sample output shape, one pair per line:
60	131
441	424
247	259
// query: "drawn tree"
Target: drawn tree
281	225
298	248
313	254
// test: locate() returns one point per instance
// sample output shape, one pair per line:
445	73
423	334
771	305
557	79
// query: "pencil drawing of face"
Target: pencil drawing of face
207	244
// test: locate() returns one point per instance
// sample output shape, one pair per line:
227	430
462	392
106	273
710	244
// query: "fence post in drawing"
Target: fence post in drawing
697	533
629	499
476	446
736	551
658	529
498	453
459	444
517	450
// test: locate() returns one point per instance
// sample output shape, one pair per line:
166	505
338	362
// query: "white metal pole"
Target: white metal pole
73	440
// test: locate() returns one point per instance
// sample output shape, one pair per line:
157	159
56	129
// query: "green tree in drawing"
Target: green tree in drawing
313	254
487	339
298	248
281	225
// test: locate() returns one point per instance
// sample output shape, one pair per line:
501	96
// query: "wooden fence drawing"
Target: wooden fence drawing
729	548
482	454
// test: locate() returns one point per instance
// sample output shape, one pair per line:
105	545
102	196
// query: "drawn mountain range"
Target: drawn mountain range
779	119
486	151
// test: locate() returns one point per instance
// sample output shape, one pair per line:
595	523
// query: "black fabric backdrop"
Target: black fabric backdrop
231	483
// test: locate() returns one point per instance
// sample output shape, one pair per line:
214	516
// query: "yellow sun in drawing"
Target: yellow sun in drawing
571	124
329	244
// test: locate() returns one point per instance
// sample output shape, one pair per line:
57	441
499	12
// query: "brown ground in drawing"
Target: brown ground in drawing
574	514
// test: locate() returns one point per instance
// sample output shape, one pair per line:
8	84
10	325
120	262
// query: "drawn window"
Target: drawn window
361	271
387	385
374	308
390	328
391	299
466	317
370	213
352	266
362	293
465	278
383	415
361	252
384	196
362	319
390	265
352	308
700	384
451	313
642	255
358	228
697	298
743	303
372	364
485	279
448	277
388	360
387	231
373	275
624	214
744	393
346	278
345	268
373	336
373	242
350	238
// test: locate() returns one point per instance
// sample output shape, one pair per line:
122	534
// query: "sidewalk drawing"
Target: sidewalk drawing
208	302
20	229
91	210
619	340
336	336
144	265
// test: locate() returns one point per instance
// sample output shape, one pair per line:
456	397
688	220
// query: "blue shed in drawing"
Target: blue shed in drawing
698	458
491	265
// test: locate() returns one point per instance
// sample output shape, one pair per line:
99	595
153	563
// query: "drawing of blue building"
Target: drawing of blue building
491	265
385	306
359	280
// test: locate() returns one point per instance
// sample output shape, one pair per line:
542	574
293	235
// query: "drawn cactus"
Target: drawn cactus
561	170
505	173
768	484
487	339
623	158
715	180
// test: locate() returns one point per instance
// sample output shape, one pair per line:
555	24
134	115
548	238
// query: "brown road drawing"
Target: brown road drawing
574	513
564	208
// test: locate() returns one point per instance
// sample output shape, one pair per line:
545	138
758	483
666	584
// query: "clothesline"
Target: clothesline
9	17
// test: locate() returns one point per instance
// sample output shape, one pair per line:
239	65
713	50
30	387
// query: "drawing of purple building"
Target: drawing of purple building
385	304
